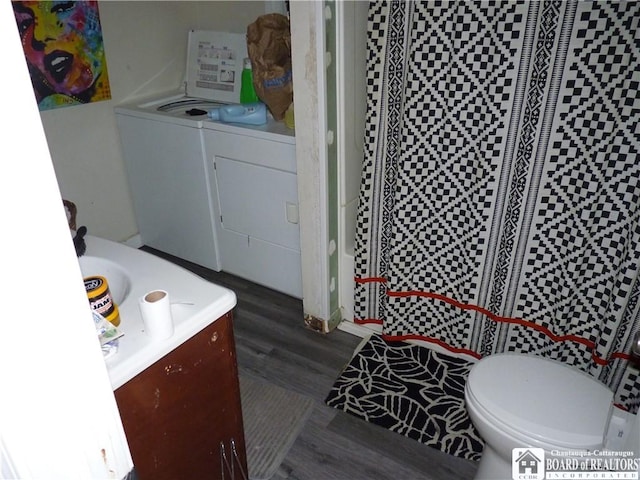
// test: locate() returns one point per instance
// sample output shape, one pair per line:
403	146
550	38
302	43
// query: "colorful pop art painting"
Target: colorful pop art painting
63	46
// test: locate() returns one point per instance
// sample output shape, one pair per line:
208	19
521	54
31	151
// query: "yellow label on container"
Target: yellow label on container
100	298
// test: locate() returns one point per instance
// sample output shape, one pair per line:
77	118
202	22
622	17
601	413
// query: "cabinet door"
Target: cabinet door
178	411
257	196
254	202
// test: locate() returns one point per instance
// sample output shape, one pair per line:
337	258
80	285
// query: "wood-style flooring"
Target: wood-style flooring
274	345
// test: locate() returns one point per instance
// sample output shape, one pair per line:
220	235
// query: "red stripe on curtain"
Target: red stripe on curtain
395	338
492	316
362	321
370	280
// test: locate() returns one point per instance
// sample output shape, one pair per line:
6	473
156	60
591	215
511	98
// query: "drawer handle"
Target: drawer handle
230	466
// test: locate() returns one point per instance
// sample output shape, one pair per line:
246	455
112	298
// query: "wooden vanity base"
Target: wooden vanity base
182	411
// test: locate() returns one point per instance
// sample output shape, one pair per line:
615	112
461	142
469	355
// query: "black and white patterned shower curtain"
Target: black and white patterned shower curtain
499	207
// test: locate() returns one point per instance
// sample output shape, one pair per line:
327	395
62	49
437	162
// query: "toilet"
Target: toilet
525	401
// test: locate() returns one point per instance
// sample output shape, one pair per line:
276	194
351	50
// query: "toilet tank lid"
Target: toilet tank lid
543	399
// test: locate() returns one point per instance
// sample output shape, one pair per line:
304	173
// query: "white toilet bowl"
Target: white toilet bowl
524	401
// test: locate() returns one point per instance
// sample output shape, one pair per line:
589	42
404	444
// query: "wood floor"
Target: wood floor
274	345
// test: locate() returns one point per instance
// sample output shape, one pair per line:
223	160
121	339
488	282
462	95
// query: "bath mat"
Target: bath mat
411	390
273	417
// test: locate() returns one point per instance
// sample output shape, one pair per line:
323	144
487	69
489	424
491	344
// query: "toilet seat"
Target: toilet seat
539	399
484	419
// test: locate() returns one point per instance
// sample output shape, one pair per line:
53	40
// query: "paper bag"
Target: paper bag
269	48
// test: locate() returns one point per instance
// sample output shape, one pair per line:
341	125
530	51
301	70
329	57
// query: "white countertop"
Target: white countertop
137	351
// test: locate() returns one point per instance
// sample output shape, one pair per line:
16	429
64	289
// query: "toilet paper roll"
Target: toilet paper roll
155	308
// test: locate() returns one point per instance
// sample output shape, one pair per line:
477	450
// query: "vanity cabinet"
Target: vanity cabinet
182	414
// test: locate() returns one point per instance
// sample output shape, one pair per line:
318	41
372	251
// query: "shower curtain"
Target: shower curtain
499	204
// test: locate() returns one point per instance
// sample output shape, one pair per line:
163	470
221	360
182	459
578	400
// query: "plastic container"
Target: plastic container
100	298
289	118
247	91
250	114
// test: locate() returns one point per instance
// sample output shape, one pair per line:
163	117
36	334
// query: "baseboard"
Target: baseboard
134	242
357	330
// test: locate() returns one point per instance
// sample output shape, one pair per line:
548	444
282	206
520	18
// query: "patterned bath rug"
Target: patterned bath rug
411	390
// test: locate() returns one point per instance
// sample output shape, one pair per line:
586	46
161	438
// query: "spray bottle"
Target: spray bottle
247	92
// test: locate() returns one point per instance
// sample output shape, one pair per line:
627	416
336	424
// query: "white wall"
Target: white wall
145	44
58	415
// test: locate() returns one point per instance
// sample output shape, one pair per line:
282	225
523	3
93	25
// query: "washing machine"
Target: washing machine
184	206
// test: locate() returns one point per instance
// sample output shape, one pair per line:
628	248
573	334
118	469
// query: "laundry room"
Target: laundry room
146	49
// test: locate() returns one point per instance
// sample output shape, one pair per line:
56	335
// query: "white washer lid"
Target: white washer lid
543	399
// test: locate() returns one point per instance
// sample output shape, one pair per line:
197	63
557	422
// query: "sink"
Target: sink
117	278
